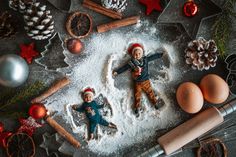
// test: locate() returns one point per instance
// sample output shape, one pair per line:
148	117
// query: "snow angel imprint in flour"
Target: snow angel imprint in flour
140	74
91	109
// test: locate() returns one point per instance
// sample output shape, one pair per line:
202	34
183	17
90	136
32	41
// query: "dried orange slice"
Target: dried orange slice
20	145
79	25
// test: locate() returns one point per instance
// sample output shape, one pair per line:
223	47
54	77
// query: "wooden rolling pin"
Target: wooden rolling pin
53	89
190	130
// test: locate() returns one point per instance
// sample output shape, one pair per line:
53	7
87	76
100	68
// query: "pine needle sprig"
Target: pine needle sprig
22	96
223	26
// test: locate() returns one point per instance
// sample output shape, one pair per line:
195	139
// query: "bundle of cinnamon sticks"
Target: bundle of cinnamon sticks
110	13
102	10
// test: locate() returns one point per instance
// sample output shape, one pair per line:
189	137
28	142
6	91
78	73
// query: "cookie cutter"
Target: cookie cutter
231	78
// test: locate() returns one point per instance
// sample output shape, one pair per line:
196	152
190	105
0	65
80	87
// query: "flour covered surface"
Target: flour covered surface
94	67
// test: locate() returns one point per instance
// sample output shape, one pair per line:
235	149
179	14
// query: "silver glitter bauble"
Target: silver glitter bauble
14	70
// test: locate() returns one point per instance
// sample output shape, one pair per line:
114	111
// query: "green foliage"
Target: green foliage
10	108
223	26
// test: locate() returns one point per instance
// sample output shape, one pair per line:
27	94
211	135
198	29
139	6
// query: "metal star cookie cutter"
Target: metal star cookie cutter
173	13
231	78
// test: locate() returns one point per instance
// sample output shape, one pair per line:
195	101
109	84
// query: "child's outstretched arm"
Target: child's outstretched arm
79	109
121	69
100	106
157	55
154	56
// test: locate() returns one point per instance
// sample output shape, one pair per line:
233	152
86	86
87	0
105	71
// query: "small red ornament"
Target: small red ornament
4	137
74	45
151	5
1	127
28	126
28	52
37	111
190	8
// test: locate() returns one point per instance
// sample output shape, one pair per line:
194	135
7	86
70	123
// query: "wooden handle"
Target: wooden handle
53	89
62	132
117	24
190	130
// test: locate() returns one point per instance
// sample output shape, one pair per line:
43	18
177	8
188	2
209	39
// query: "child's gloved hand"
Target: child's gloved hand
164	52
74	107
114	73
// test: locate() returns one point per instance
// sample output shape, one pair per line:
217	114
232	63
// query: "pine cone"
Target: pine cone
7	25
20	5
201	54
116	5
39	22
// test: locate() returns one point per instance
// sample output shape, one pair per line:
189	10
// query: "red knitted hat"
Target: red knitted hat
134	47
88	90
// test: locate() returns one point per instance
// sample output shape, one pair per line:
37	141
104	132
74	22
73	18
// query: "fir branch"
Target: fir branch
23	94
223	26
8	92
13	114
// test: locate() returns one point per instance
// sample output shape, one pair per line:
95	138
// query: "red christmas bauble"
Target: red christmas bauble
1	127
37	111
190	8
74	45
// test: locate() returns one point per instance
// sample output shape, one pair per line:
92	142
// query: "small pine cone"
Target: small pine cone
116	5
20	5
39	23
7	25
201	54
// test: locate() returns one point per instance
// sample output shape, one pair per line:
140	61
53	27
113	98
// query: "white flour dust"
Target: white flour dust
104	53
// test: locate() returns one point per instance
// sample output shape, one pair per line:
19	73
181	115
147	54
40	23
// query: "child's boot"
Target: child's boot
159	104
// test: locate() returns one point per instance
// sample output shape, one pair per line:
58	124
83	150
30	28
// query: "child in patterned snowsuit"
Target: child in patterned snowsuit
90	107
139	69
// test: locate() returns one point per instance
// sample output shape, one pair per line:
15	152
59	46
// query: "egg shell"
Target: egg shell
189	97
215	90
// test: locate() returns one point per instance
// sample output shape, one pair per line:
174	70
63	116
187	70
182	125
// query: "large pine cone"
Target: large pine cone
7	25
20	5
38	22
201	54
116	5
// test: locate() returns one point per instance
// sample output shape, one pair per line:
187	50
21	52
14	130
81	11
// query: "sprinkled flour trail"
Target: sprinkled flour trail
105	52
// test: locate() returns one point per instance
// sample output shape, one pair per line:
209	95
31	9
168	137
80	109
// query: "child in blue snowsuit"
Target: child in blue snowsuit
90	107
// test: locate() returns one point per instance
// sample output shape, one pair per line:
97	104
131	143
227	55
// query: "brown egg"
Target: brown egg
189	97
215	90
74	45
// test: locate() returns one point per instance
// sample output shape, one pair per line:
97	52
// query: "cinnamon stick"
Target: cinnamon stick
53	89
102	10
117	24
62	131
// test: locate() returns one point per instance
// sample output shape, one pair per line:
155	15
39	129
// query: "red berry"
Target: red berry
190	8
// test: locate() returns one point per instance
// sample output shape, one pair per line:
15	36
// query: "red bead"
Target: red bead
37	111
190	8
